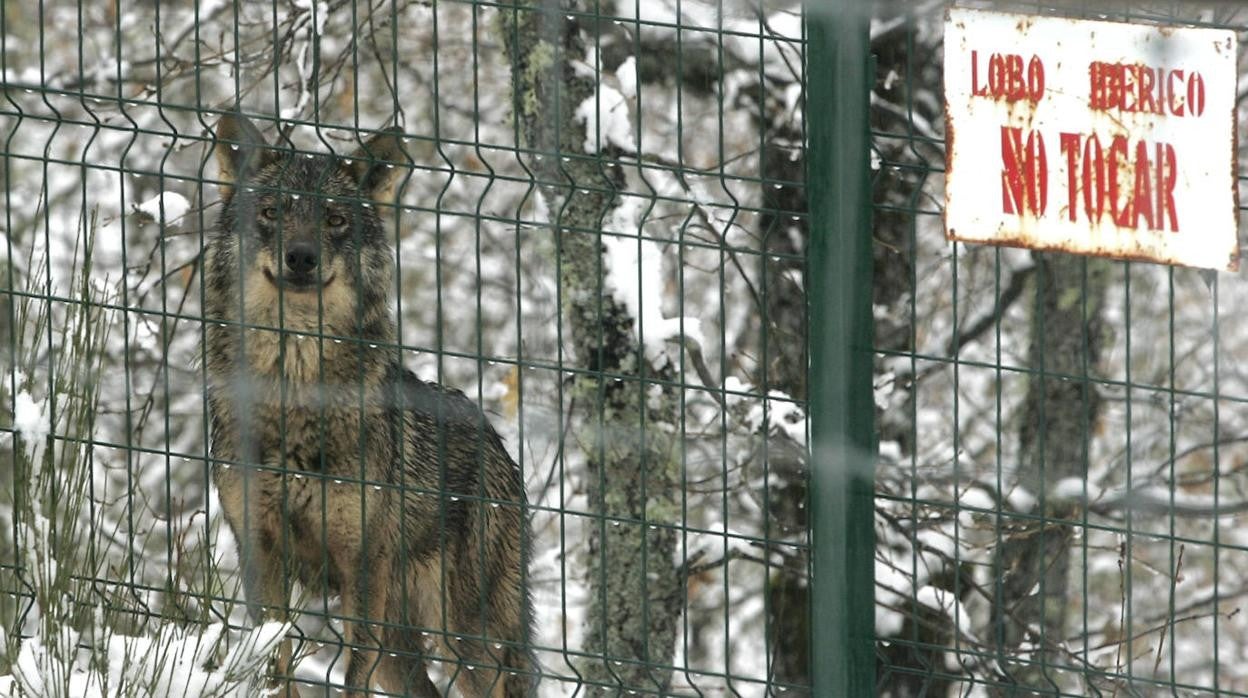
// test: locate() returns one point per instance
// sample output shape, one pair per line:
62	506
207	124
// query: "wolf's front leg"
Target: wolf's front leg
364	601
265	582
268	598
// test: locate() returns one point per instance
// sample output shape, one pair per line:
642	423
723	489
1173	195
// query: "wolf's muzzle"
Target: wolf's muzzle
302	258
299	272
298	282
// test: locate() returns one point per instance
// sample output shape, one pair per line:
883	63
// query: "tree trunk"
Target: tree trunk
785	365
1057	419
635	586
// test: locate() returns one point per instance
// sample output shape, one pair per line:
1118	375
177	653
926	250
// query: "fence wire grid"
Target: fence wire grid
227	223
1059	494
230	226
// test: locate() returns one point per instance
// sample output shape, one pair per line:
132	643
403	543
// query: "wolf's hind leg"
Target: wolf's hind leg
403	671
405	675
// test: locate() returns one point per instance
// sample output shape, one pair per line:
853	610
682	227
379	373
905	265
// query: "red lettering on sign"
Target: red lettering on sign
1166	164
1035	79
1147	102
1149	199
1070	148
1086	174
1196	95
1025	173
1176	109
1095	186
1007	79
1117	161
1142	194
1133	87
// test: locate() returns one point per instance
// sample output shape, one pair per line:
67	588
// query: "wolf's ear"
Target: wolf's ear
240	149
377	165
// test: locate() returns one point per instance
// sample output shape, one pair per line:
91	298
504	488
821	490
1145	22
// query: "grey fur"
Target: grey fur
335	465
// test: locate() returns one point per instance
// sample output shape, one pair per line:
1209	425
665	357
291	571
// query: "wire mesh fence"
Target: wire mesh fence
231	227
462	348
1058	493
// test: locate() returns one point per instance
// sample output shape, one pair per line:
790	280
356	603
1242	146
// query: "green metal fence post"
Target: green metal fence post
842	411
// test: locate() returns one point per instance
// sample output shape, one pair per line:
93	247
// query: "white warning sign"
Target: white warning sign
1091	137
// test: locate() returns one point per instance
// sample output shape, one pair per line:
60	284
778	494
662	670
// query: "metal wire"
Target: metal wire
1129	473
600	239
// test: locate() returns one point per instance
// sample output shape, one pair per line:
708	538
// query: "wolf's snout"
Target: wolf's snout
302	257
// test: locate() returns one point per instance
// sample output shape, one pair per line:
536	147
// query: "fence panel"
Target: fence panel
225	226
1058	498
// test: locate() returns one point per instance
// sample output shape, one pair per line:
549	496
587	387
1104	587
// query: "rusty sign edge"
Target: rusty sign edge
1230	256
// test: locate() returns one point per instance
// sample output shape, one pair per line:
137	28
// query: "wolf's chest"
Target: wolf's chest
333	440
319	524
294	357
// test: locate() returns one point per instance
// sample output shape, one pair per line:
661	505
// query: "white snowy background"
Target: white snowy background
128	581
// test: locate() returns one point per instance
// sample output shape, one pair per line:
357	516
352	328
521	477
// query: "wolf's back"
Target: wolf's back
472	492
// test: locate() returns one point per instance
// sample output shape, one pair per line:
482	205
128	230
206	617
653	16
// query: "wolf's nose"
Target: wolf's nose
301	257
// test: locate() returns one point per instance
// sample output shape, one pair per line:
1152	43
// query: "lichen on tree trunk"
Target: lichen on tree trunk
635	585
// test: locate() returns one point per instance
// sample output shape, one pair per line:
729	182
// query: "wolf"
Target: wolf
335	466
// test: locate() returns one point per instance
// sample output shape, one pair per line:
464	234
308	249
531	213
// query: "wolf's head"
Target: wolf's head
299	244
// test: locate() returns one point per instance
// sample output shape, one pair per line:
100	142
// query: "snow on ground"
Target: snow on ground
192	661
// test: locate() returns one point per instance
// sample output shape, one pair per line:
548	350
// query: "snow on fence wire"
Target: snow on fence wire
598	234
1059	502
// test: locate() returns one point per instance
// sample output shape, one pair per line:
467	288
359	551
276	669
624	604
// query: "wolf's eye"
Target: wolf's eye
334	220
269	212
